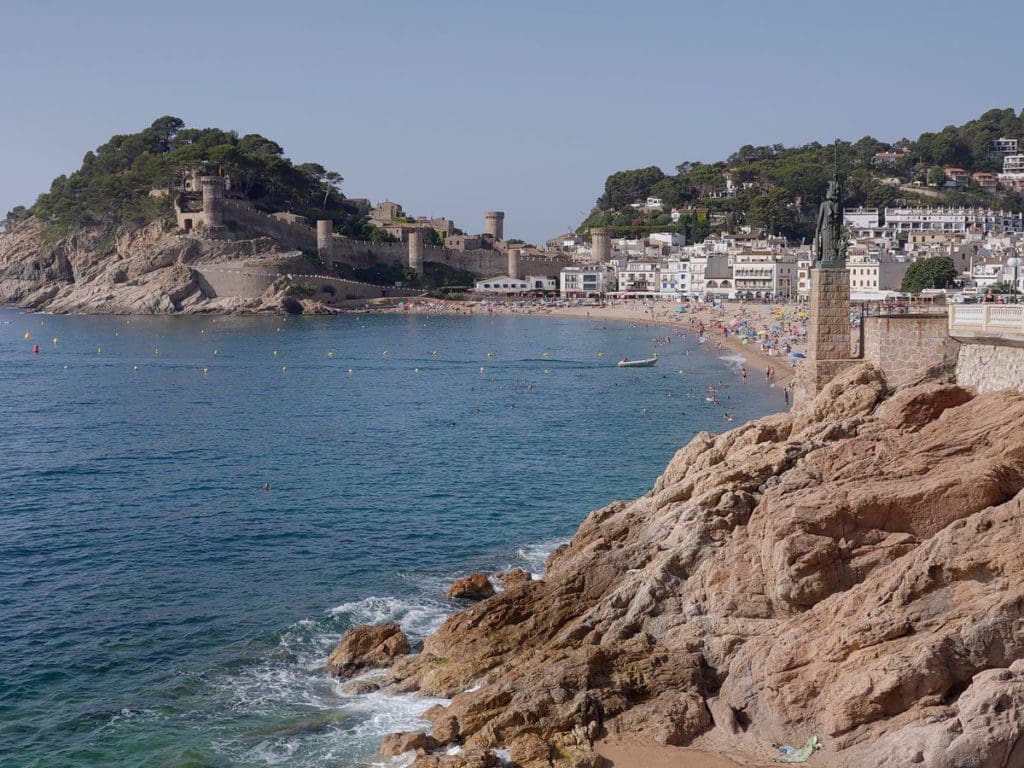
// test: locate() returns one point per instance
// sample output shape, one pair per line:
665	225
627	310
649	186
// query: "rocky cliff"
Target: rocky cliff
144	270
852	570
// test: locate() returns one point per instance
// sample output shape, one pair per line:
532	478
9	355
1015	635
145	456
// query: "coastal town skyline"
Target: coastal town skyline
583	94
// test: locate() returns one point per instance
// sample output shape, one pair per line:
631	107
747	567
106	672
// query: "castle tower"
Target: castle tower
325	241
494	224
416	251
600	244
213	201
514	270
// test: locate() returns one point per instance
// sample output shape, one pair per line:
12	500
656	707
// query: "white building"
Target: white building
641	276
505	285
952	220
651	204
589	281
1012	176
671	239
1004	146
872	278
763	275
675	278
862	218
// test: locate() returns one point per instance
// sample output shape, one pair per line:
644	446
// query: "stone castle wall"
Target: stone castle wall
990	367
238	214
904	346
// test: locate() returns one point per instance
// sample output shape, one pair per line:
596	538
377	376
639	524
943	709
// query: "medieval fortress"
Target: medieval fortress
204	208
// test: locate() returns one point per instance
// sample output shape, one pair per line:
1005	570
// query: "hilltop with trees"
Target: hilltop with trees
779	188
112	186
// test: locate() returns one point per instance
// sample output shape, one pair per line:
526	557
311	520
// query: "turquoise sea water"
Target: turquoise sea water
159	608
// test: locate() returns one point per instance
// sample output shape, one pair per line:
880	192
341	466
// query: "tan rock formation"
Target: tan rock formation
366	646
517	577
476	586
142	270
398	743
853	570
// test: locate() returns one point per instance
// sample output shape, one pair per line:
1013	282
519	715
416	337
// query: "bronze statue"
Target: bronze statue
830	245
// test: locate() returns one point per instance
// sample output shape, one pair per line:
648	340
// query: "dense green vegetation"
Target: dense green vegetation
112	186
779	188
936	272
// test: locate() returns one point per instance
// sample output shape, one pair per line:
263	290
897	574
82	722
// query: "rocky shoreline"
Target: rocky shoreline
851	570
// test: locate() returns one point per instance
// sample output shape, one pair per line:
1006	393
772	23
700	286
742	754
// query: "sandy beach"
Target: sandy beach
761	334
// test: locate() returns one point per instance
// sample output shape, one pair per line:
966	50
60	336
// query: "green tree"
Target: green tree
936	176
936	272
16	214
627	187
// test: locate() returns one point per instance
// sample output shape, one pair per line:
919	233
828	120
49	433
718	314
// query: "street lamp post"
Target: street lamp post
1014	262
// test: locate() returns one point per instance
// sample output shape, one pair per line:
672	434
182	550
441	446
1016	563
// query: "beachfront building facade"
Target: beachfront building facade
642	276
510	286
901	220
587	282
764	275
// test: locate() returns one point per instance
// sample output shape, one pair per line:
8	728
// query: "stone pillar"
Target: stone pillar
416	252
514	270
600	244
213	201
325	241
828	333
494	224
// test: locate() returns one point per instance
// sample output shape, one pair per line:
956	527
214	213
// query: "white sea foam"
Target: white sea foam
536	555
418	618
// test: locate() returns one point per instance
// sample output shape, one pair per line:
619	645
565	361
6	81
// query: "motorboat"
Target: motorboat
647	363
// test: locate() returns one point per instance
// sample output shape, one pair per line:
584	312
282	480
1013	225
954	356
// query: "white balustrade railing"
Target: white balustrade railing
995	318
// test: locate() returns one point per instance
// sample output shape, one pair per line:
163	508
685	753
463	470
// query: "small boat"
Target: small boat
627	363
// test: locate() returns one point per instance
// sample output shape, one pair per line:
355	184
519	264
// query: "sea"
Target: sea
160	607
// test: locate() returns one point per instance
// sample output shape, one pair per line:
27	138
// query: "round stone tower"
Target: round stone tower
600	244
416	251
494	224
325	241
213	201
514	270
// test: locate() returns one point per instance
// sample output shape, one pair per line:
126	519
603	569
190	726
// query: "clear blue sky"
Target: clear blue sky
455	107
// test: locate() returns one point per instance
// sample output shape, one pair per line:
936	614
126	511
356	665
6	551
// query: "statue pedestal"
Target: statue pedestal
828	334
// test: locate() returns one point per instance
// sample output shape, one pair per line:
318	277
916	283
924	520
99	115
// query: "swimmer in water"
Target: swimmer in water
266	487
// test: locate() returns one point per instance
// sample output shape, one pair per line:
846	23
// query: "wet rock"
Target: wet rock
366	646
399	743
476	586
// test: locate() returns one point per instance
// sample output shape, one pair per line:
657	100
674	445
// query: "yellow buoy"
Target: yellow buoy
330	354
99	350
27	336
275	353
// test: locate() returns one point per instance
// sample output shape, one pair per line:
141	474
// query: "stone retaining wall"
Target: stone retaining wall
904	346
990	367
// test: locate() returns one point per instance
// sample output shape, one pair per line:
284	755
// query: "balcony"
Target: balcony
988	323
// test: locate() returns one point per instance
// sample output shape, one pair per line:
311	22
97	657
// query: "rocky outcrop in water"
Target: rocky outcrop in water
367	646
476	586
143	270
853	570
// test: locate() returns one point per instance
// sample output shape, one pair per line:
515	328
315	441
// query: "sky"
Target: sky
454	107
